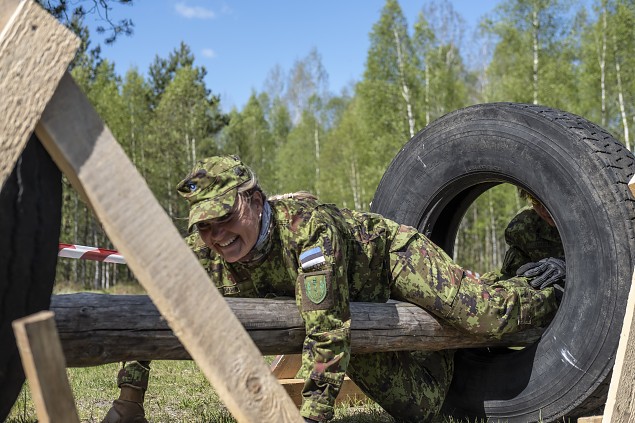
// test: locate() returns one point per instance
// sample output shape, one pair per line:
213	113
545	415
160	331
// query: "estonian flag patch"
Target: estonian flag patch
311	258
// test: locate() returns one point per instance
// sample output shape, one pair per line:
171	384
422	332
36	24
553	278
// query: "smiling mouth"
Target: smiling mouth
225	244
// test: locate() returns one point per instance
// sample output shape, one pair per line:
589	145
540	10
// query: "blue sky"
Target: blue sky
240	41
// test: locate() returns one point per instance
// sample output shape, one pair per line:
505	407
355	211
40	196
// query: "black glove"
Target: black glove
544	273
307	420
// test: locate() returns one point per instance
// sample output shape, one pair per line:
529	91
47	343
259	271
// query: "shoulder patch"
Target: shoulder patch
312	257
317	290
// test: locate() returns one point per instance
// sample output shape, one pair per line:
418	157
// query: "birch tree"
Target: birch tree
135	93
345	155
181	129
386	94
623	43
438	35
531	62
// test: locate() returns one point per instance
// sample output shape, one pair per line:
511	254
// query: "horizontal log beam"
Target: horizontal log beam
97	329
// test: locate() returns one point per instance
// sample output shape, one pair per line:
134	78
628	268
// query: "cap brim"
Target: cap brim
212	208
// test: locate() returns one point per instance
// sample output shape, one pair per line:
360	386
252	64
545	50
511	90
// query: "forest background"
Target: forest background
297	135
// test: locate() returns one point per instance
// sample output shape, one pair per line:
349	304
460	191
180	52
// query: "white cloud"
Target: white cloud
193	12
209	53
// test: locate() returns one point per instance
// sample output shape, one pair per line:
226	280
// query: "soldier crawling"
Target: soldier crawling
326	257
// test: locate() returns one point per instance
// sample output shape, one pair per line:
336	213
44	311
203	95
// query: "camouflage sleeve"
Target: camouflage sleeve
323	299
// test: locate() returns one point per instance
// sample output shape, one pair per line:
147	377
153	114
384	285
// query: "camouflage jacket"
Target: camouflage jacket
325	257
530	239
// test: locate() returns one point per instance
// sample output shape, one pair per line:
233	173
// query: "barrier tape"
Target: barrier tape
90	253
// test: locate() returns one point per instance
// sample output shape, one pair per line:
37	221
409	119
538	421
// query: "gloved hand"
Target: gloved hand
307	420
544	273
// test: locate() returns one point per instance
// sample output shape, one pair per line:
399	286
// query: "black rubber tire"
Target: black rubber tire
30	216
580	172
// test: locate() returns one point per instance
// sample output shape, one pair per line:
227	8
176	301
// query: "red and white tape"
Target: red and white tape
90	253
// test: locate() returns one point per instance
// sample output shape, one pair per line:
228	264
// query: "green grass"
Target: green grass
178	392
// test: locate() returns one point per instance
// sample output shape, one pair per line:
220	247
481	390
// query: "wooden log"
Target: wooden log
35	51
45	368
98	329
85	149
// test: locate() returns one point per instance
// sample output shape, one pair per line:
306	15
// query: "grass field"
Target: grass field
178	391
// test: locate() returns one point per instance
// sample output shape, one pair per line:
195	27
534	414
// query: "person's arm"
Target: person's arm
514	258
322	297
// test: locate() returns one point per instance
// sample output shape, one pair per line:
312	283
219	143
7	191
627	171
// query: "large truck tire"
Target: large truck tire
30	216
580	172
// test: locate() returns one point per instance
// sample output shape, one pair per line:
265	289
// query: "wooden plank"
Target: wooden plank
85	149
620	403
594	419
7	9
286	366
349	392
95	329
45	368
35	51
631	186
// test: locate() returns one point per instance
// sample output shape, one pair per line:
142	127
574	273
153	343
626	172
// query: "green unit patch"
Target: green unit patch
315	288
317	292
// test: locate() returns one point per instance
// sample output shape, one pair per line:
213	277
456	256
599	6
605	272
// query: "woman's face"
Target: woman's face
235	234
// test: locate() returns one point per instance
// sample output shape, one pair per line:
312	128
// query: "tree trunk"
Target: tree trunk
405	90
316	138
427	99
620	93
74	266
536	29
97	329
354	183
495	260
602	60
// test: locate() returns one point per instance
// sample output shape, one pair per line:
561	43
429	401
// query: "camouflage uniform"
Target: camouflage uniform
530	239
327	257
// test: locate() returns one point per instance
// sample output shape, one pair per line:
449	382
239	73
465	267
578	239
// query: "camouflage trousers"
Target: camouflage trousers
411	386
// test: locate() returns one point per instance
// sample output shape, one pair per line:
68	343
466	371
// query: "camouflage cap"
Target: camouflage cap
212	187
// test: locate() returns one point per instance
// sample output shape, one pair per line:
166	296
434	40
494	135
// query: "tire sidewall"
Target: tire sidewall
505	143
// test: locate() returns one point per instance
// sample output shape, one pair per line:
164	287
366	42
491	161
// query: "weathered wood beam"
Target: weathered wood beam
620	403
35	50
45	368
97	329
84	148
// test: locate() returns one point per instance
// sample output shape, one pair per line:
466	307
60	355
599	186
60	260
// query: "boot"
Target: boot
128	408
